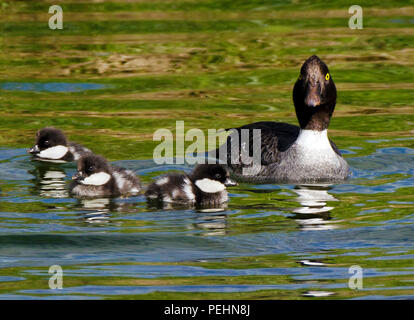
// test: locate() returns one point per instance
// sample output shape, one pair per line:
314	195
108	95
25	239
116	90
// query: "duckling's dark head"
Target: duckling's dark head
47	138
314	95
216	172
94	167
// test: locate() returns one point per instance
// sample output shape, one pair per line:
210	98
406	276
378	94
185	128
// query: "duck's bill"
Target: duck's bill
229	182
34	150
313	98
77	176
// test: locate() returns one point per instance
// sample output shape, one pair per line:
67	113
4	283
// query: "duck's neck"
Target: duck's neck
317	118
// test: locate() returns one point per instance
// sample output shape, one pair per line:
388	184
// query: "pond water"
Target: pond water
120	70
269	241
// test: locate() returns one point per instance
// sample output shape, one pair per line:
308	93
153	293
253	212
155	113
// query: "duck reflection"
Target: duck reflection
49	180
314	214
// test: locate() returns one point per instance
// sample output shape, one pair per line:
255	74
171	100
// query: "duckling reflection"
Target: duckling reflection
160	205
49	180
314	213
97	210
211	221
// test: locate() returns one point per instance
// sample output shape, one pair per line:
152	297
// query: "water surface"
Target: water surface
270	241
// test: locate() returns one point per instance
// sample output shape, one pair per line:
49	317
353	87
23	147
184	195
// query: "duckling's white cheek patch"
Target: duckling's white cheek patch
55	153
210	186
96	179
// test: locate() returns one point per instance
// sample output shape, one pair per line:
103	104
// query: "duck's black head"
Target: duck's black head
48	138
93	170
314	95
215	172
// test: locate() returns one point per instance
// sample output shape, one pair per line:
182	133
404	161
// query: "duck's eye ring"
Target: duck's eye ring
327	77
300	77
218	176
91	168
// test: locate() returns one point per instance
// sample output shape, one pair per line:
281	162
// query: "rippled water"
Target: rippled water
271	240
50	86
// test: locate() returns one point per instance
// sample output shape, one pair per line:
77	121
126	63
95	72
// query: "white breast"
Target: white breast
313	139
314	147
55	152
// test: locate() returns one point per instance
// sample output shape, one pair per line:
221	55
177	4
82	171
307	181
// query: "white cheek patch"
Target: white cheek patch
210	186
97	179
55	153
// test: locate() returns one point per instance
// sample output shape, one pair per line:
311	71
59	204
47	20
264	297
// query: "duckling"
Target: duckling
205	186
290	153
52	145
97	178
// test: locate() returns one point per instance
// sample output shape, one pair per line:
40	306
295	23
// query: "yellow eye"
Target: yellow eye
327	77
300	77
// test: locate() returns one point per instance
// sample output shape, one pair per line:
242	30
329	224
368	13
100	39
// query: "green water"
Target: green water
119	70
